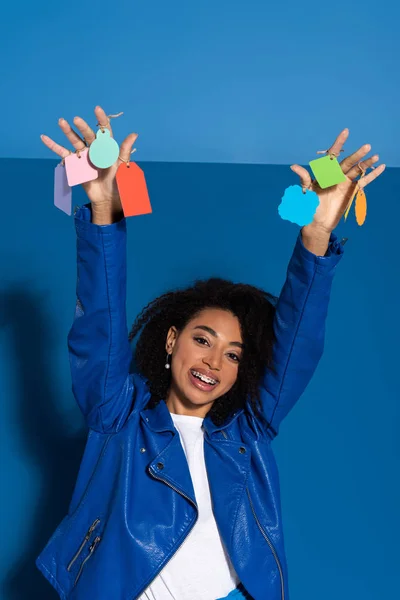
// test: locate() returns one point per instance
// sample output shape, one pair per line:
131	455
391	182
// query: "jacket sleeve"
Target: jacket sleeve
299	328
99	350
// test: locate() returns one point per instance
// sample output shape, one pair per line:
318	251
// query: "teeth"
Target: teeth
204	378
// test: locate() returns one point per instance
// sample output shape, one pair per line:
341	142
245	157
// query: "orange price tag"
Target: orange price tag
132	189
361	207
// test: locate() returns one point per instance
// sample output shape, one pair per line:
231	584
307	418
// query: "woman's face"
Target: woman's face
205	358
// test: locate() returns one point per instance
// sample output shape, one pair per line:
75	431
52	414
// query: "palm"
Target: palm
104	188
334	200
332	203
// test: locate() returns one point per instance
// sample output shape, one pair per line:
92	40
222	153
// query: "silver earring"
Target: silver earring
167	365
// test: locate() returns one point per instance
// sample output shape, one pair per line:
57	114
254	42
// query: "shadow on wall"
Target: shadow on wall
44	437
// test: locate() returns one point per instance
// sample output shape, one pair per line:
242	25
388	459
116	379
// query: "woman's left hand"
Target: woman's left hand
334	200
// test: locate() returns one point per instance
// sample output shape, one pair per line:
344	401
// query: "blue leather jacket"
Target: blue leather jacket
133	504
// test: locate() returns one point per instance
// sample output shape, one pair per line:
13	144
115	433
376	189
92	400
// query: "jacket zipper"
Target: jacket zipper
184	539
97	521
83	544
272	548
92	548
269	544
174	488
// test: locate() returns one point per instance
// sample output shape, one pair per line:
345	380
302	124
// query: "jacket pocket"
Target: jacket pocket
85	540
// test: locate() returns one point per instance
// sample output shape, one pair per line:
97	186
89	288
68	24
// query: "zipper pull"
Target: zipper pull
93	545
91	550
91	529
85	541
93	526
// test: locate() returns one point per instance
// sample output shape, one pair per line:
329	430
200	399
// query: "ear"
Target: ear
172	336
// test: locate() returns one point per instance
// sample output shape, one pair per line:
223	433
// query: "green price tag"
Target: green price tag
327	171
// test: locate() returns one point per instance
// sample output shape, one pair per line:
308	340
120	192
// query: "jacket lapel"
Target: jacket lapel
169	465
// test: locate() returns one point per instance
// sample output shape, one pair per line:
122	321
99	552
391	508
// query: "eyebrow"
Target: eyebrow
214	334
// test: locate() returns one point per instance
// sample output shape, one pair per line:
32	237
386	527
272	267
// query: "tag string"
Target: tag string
332	155
127	161
361	177
102	127
363	172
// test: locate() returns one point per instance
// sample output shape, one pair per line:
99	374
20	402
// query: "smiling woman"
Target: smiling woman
178	495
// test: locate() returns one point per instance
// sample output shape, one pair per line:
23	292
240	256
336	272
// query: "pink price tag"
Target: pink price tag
79	169
62	191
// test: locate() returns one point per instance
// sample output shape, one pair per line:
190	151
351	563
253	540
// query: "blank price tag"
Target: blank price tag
62	191
132	189
104	150
79	170
297	207
327	171
361	207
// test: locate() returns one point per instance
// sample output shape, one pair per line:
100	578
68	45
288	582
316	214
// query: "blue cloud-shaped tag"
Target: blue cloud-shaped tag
297	207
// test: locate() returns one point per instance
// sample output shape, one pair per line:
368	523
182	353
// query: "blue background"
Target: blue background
209	81
212	83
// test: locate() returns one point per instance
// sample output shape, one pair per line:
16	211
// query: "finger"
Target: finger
72	136
337	145
102	118
87	132
349	162
126	146
305	177
362	166
372	176
56	148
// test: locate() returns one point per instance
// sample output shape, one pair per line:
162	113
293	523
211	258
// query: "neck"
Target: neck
183	406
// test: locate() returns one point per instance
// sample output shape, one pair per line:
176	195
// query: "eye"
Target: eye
235	357
201	340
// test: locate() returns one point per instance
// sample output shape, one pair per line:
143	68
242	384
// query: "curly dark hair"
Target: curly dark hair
255	310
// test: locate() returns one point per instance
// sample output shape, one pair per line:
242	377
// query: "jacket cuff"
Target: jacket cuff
84	225
322	264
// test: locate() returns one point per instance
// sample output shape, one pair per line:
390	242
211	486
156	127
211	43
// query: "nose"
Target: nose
213	361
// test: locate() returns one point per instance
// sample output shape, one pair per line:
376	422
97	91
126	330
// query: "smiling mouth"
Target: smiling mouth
203	381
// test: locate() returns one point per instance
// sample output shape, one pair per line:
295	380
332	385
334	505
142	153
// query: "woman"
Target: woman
177	496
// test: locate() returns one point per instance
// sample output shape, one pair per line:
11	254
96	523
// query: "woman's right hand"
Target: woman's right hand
103	191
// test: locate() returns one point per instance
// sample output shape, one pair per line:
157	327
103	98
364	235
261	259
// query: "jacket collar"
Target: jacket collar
159	419
211	428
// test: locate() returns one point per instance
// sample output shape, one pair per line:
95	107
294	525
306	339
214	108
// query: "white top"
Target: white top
200	569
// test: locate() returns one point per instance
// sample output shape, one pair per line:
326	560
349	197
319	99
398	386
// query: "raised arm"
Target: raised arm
99	350
299	327
302	307
98	344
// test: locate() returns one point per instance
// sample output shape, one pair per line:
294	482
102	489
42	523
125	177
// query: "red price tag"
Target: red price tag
132	189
